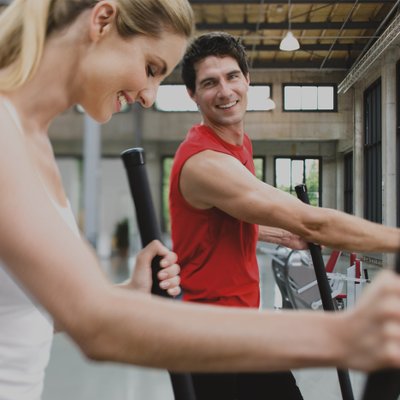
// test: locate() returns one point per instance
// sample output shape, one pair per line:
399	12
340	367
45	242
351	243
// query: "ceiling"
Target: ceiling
332	35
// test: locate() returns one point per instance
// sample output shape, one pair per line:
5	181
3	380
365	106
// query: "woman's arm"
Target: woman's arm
109	323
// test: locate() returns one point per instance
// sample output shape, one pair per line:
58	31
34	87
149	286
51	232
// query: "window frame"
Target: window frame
195	111
317	85
303	158
372	150
348	182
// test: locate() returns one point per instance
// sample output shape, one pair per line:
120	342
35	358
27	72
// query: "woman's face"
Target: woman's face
119	70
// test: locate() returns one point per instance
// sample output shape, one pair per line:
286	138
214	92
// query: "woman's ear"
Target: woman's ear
102	19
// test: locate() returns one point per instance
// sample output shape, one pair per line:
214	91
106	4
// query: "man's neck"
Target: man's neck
230	134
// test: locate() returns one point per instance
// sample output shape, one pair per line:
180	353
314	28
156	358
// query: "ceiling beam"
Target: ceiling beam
239	26
306	47
299	64
218	2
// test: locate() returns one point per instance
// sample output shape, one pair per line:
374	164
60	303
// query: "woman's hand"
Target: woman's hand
373	326
168	275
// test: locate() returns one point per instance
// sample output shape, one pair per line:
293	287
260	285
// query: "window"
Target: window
259	165
175	98
259	98
373	153
348	183
309	97
292	171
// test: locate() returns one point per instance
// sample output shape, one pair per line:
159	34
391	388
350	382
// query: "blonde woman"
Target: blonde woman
102	54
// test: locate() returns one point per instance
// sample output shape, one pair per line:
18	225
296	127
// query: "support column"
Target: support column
91	167
389	141
137	124
339	181
358	155
389	146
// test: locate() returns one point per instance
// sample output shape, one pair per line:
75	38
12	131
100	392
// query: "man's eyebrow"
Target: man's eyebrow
235	71
210	78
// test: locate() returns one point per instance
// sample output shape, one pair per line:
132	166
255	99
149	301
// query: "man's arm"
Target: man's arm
280	236
212	179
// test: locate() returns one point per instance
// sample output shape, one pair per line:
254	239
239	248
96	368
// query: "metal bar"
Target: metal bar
134	161
326	294
228	2
249	26
384	384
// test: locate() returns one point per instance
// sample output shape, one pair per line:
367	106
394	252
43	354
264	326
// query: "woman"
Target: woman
102	54
55	54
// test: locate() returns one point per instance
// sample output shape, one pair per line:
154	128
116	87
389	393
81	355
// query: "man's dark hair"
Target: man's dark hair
218	44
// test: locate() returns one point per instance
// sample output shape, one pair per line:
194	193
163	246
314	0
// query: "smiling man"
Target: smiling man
218	251
219	209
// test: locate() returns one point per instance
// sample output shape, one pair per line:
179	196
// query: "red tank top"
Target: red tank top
217	253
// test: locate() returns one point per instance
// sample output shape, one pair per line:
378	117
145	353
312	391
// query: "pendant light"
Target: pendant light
289	42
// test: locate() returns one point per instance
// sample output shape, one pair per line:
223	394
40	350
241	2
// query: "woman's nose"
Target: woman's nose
147	97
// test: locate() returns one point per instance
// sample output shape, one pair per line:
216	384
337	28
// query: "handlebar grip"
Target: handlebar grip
326	294
134	161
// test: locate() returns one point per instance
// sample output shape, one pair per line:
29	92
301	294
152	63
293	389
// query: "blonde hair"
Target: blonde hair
25	25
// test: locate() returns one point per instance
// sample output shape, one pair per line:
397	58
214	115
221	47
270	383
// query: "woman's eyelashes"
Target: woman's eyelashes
151	71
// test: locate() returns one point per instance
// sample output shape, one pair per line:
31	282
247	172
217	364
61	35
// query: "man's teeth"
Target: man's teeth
227	105
122	100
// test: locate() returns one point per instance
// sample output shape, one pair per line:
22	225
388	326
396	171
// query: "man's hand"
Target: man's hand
281	236
168	275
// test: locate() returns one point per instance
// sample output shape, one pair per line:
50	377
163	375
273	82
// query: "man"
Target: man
219	209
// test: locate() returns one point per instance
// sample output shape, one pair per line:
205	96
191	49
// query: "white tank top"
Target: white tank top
26	329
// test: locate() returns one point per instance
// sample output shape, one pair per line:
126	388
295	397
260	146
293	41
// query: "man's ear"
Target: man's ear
248	78
191	94
102	19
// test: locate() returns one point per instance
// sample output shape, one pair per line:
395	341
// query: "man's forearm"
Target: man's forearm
280	236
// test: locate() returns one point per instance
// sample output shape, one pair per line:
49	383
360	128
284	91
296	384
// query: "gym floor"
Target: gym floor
71	376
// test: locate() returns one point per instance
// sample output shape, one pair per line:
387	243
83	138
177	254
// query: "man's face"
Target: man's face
221	91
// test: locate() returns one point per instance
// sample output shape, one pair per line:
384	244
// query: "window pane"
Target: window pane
259	167
290	172
174	98
312	180
309	98
325	98
292	96
297	172
257	97
282	171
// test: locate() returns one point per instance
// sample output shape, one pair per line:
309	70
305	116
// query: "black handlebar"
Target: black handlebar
134	161
325	293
